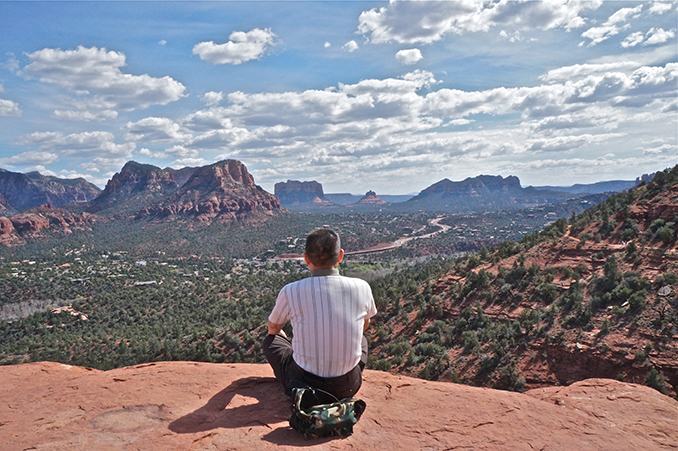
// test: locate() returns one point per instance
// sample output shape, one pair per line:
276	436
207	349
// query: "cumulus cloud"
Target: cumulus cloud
155	129
87	144
652	37
30	158
350	46
614	24
9	108
660	7
162	42
402	124
659	36
409	56
411	22
94	75
242	47
212	98
327	45
633	39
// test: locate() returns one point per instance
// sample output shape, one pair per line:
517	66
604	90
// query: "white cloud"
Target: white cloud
579	71
389	126
98	164
162	42
242	47
181	152
155	129
12	64
652	37
327	44
633	39
614	24
513	37
566	143
660	7
183	162
94	75
9	108
30	158
212	98
658	36
84	115
409	56
83	145
410	22
350	46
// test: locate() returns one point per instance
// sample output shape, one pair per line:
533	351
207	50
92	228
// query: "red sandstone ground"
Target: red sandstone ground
200	406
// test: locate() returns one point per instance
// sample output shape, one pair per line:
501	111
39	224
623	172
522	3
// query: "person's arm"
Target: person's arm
274	328
366	324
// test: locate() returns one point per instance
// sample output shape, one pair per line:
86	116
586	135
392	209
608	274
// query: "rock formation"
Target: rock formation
135	184
223	190
371	198
293	193
19	192
481	192
203	406
36	222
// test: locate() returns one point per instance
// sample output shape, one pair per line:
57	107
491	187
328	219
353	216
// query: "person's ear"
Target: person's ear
306	259
341	256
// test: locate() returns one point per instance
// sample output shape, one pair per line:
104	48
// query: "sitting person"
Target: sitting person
329	314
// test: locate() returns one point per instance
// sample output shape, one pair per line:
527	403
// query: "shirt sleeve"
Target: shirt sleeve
371	307
281	311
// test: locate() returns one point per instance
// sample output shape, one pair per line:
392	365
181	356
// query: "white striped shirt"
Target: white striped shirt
327	313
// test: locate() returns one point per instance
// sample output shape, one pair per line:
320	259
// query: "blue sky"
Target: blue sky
388	96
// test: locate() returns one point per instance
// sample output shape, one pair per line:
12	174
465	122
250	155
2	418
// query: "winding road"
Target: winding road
400	241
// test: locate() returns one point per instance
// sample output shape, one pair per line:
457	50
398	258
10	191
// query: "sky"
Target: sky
384	96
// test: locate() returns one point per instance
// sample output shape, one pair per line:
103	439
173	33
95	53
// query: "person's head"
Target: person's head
323	248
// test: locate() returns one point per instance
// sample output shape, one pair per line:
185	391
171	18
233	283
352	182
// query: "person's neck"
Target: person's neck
331	271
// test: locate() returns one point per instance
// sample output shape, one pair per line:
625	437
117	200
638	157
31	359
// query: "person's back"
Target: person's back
328	314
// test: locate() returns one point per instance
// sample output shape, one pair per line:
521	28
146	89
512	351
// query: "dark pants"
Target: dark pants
278	352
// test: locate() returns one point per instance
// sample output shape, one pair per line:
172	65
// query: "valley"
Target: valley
515	298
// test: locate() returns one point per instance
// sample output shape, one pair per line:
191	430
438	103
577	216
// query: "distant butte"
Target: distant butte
372	199
294	192
204	406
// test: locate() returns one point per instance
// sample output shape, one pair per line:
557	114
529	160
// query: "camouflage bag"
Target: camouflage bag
323	420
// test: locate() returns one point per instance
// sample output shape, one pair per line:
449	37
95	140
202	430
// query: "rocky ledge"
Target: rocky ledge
201	406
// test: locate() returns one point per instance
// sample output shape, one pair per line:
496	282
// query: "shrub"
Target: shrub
666	234
656	380
381	365
469	340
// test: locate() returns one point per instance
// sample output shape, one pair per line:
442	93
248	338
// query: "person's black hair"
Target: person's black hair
323	247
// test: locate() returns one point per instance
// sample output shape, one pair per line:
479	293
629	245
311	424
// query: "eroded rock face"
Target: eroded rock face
223	190
134	182
38	220
202	406
6	226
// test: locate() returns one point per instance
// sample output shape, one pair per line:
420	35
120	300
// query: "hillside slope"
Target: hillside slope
595	297
201	406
